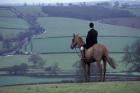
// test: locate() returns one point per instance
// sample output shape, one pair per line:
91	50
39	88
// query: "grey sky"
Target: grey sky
43	1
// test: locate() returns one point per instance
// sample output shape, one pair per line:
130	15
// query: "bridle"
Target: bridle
74	46
77	52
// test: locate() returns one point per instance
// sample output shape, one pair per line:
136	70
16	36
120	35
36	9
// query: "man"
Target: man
91	38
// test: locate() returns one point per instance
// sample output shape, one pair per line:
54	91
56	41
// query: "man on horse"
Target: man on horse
91	38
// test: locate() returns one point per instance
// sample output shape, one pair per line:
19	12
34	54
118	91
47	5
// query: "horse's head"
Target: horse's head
77	41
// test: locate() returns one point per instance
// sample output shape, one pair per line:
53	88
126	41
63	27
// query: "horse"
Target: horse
97	52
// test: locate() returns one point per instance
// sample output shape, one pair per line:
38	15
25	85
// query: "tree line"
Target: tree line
36	66
16	43
85	12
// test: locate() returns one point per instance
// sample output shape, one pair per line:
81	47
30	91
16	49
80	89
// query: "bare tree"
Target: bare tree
79	71
37	60
53	70
132	56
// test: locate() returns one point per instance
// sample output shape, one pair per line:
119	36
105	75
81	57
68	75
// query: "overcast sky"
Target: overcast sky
43	1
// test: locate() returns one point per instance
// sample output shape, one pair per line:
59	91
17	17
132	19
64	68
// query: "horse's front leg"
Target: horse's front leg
84	68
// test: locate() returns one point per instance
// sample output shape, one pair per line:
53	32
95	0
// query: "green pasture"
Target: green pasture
105	87
13	22
65	61
135	11
10	33
59	26
31	10
14	80
6	13
18	25
63	44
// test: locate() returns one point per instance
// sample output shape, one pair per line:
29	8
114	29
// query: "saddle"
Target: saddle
85	59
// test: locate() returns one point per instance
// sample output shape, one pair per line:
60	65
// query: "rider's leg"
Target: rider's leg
82	51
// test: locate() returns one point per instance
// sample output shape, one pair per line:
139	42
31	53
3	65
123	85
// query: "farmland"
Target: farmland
60	26
53	41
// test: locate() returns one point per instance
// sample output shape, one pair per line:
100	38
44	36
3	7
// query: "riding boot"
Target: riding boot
82	52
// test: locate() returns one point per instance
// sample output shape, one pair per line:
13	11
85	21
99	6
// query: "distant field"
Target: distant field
58	26
129	22
31	10
107	87
65	61
135	11
12	26
6	13
13	23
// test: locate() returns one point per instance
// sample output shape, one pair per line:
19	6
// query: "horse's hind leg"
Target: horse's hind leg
99	69
88	69
104	63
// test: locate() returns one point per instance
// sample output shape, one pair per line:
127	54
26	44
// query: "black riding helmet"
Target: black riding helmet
91	25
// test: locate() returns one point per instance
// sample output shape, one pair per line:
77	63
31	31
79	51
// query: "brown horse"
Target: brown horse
98	52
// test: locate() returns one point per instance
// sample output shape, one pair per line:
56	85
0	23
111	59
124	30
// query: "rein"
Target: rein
77	52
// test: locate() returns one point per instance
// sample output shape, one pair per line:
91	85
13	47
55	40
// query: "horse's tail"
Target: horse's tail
110	61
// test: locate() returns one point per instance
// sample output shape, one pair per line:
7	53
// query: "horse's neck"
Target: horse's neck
81	42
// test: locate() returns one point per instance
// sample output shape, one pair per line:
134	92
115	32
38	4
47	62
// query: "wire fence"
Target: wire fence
85	36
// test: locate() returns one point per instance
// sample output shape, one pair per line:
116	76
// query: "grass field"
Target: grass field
32	10
59	26
107	87
6	13
13	23
135	11
17	24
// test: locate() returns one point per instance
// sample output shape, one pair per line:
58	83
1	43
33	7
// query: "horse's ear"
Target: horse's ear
73	35
78	34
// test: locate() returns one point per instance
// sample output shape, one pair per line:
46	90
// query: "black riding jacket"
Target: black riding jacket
91	38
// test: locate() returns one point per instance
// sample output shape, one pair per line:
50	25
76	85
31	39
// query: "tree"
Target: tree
6	44
116	4
17	69
54	69
105	4
79	71
37	60
23	68
1	36
125	5
132	56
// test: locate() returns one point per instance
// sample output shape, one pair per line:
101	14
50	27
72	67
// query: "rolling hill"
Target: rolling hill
54	40
133	22
59	26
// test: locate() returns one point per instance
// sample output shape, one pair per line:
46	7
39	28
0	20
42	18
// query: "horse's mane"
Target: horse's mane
80	38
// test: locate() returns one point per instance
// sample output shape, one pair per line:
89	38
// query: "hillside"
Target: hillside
59	26
135	11
53	44
133	22
12	26
85	12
